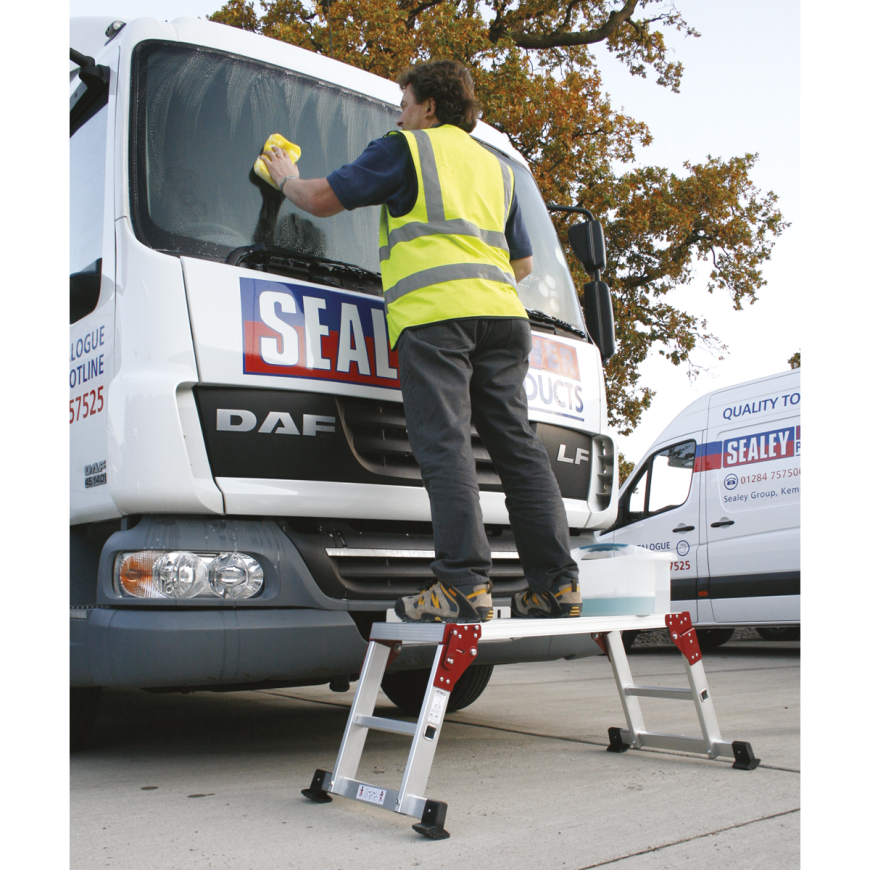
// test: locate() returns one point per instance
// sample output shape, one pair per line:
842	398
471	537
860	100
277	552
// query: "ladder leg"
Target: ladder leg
424	743
622	675
704	706
364	701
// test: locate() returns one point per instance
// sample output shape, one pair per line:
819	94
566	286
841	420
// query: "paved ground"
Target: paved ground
209	780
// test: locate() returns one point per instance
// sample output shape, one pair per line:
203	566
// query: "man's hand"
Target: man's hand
313	195
279	164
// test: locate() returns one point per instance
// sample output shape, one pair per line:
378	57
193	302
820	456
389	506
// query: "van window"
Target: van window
671	477
663	483
87	154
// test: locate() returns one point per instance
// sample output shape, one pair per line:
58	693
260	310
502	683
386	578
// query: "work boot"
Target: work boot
561	600
440	603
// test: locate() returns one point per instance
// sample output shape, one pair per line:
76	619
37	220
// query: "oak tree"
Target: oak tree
538	83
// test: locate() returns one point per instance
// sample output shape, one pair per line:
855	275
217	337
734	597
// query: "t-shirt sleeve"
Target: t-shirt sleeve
383	173
519	243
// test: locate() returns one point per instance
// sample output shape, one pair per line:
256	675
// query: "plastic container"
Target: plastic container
623	580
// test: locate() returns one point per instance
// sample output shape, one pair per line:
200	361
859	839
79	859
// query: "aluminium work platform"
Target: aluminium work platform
457	649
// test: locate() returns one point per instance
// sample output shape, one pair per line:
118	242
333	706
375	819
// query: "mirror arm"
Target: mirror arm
573	209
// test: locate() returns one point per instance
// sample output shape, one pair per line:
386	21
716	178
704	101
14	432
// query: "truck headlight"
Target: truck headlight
235	575
185	575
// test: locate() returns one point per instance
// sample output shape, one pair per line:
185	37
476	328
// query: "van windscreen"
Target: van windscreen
199	120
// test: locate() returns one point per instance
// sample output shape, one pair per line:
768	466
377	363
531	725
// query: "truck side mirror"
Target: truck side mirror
587	242
598	314
84	291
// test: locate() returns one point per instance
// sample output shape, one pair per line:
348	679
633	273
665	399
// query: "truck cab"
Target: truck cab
243	499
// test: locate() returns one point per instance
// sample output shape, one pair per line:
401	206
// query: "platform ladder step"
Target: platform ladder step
457	648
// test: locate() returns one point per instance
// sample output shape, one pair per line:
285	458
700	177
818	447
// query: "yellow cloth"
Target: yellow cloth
275	140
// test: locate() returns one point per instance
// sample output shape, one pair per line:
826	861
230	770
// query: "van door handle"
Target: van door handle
684	529
723	522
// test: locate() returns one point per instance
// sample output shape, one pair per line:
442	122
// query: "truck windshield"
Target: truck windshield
199	121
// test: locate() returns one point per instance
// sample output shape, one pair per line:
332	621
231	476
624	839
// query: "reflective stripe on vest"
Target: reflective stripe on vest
448	257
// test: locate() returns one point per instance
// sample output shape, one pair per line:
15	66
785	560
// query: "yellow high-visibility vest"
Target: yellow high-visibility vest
448	257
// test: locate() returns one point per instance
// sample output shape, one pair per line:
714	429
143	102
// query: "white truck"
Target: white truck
719	491
243	500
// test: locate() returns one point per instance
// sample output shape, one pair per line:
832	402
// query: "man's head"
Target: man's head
438	92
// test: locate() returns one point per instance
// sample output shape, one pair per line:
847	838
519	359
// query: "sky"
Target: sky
740	94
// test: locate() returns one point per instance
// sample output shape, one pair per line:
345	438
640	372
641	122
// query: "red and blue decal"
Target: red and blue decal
294	330
708	457
783	443
549	355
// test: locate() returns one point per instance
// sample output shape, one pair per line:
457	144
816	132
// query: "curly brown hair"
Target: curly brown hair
449	83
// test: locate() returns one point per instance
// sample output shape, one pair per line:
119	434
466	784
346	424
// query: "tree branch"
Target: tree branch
560	39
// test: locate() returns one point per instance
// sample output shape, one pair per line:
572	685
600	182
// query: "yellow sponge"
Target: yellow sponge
275	140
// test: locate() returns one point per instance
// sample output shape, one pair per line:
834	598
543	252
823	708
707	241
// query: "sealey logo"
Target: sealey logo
291	330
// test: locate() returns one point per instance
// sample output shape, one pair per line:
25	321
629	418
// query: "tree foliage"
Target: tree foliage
538	82
794	361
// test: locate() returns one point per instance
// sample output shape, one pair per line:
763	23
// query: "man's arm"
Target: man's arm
313	195
522	268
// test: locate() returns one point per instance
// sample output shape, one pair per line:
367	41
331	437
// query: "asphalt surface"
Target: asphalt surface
213	780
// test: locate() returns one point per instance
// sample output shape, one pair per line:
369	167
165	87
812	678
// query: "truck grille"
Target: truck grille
356	560
378	437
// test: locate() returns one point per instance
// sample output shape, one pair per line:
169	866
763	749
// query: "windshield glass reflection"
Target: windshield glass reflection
200	120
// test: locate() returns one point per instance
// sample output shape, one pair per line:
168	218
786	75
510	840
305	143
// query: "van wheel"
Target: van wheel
406	689
792	632
83	707
710	638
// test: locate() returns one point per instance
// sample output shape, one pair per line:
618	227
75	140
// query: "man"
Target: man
453	246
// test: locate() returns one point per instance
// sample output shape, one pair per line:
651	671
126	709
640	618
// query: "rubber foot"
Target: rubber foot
744	757
316	792
433	832
616	743
431	824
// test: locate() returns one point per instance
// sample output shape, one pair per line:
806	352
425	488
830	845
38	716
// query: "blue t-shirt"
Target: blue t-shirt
384	174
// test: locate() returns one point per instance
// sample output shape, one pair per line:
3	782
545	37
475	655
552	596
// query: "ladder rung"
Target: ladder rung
659	692
379	723
682	743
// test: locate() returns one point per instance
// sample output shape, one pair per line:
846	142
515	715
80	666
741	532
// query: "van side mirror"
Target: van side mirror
587	242
598	314
84	291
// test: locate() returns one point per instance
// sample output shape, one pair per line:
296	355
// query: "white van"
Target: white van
719	491
244	502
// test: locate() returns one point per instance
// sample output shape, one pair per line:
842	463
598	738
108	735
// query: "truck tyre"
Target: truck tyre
710	638
406	689
83	707
628	638
792	632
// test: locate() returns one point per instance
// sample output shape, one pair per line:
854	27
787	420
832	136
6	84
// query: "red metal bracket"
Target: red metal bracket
598	637
459	650
683	635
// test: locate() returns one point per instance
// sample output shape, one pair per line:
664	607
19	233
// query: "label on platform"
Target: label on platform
371	794
439	707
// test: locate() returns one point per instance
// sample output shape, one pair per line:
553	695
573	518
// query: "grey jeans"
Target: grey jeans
455	372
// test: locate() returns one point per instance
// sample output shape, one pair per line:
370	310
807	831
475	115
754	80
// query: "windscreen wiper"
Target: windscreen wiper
540	317
321	270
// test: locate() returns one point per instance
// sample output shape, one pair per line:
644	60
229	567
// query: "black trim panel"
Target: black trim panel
756	585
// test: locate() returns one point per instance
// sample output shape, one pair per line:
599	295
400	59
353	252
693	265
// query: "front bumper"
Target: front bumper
147	648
